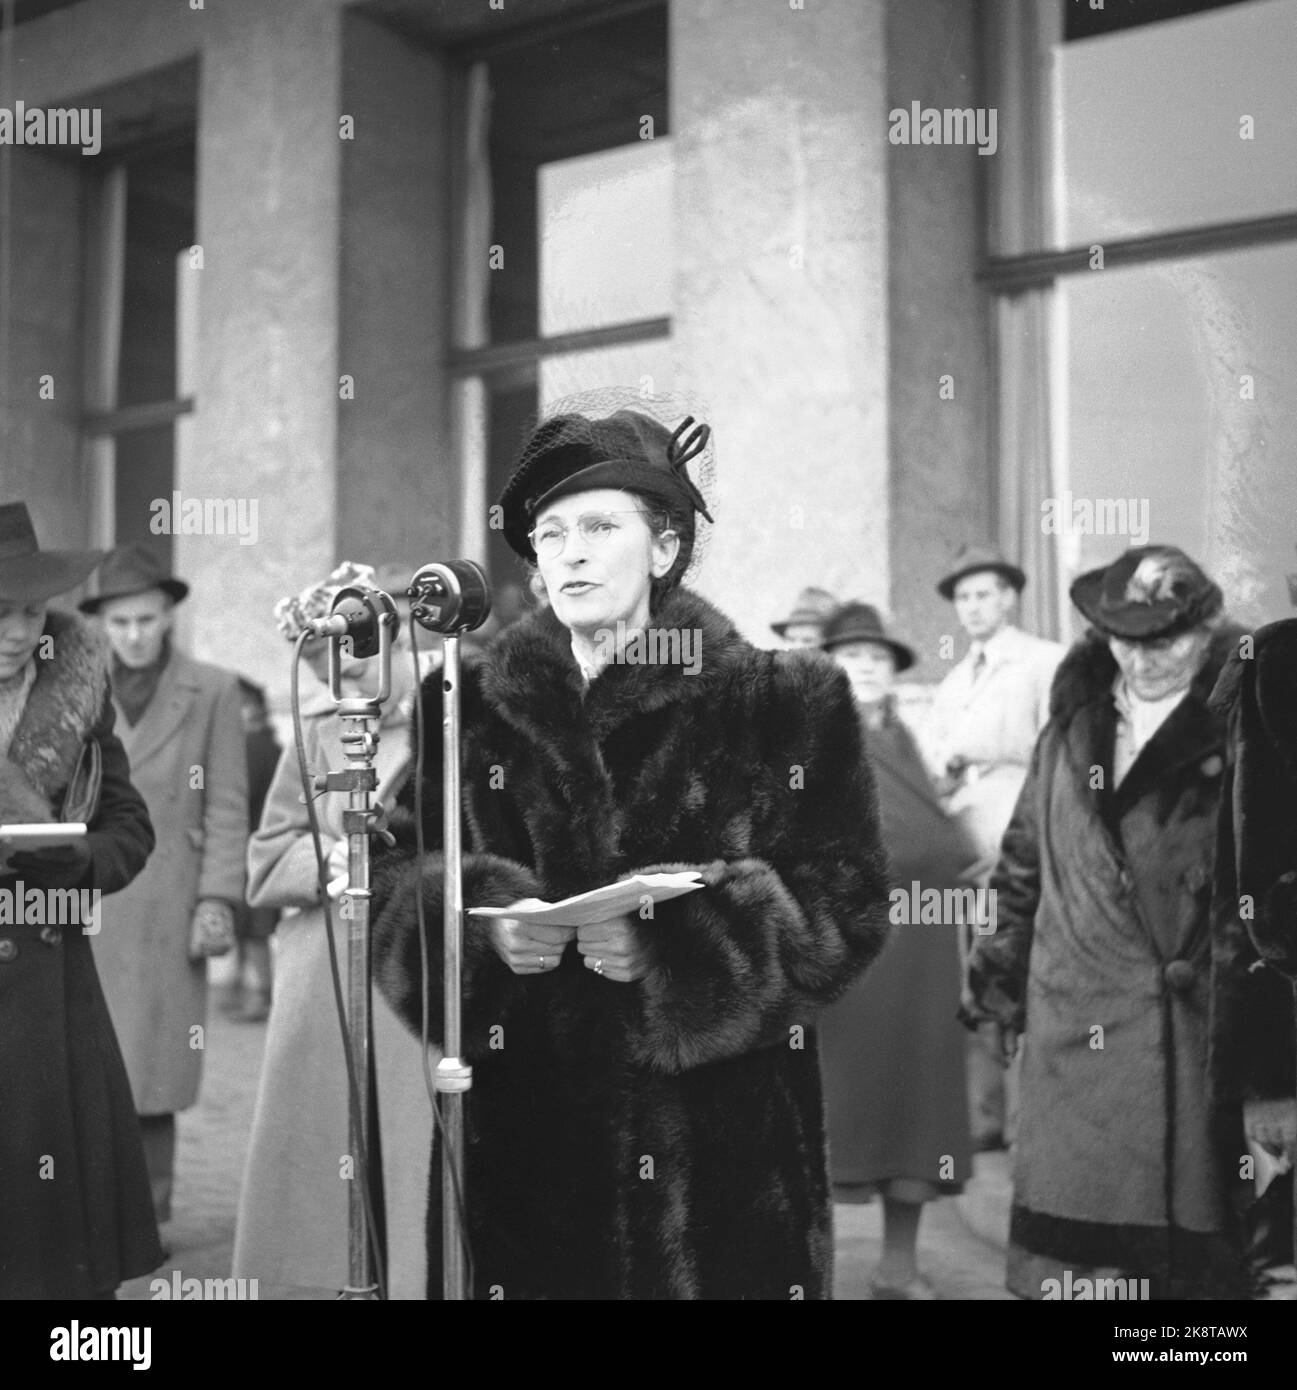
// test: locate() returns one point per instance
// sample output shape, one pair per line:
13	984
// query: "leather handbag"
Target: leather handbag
81	799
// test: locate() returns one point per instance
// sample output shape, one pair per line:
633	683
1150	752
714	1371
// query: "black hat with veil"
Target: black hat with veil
651	445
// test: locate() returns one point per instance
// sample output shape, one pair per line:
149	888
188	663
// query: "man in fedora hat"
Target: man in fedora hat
76	1217
986	715
182	726
804	626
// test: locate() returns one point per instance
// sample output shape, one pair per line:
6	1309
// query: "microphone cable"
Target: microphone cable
321	871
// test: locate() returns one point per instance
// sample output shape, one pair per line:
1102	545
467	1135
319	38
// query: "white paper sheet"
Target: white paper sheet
40	834
612	900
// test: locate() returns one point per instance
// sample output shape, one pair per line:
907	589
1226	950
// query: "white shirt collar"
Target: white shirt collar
995	646
1143	718
587	668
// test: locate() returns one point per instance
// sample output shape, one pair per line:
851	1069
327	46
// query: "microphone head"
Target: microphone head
358	614
335	625
450	598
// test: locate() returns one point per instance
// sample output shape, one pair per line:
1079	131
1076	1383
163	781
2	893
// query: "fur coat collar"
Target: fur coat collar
532	677
582	735
1086	673
62	708
1082	705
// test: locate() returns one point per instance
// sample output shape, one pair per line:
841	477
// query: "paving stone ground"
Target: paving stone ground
212	1144
961	1262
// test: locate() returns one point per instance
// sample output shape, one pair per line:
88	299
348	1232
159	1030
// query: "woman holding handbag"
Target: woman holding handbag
75	1207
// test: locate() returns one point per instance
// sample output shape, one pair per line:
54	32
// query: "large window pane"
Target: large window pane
143	478
605	250
1149	123
159	225
595	87
1180	403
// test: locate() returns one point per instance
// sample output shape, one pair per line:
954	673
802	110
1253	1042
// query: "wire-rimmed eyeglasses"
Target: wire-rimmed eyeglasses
596	528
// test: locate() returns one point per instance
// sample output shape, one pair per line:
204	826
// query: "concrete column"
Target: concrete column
266	368
780	313
942	475
398	485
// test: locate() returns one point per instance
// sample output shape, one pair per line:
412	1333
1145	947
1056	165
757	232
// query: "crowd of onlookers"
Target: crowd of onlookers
1091	921
1126	1040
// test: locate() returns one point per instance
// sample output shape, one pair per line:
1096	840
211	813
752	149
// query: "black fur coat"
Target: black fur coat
1258	855
662	1139
1255	1044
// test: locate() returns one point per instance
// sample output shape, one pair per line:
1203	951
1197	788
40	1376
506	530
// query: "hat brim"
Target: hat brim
627	475
905	657
1015	576
1139	622
175	589
797	620
46	573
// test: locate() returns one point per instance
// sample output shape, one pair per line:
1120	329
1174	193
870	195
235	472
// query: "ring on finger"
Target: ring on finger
541	959
598	966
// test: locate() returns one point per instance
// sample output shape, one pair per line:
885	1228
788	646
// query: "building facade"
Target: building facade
329	258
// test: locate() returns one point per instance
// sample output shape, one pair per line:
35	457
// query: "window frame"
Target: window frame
1030	407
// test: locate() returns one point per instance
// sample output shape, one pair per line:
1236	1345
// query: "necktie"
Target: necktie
979	664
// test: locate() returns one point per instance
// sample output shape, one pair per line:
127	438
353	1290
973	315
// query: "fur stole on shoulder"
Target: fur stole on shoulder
62	708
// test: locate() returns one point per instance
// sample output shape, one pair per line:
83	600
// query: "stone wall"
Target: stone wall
780	316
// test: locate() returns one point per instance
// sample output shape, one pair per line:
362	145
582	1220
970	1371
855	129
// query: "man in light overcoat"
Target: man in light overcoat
180	723
986	716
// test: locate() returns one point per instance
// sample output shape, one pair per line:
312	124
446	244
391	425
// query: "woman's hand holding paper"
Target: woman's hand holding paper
529	948
617	949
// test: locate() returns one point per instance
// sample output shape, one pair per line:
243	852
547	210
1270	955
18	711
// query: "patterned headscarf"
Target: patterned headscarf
293	614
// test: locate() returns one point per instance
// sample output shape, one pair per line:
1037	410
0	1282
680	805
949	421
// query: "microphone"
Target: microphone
450	598
358	615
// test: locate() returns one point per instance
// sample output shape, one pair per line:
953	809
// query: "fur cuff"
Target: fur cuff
489	987
741	964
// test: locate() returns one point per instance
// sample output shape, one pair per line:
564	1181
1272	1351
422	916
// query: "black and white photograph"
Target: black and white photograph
648	652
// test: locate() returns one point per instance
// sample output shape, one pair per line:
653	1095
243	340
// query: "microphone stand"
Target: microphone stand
360	717
454	1076
452	599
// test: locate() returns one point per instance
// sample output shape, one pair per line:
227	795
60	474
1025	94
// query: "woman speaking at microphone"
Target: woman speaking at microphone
645	1120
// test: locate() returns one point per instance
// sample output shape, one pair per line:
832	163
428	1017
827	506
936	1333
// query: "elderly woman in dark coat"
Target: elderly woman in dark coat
1101	957
76	1214
895	1093
646	1116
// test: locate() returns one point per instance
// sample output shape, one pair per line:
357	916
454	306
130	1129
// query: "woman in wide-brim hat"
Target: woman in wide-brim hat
892	1051
646	1114
76	1213
1110	958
